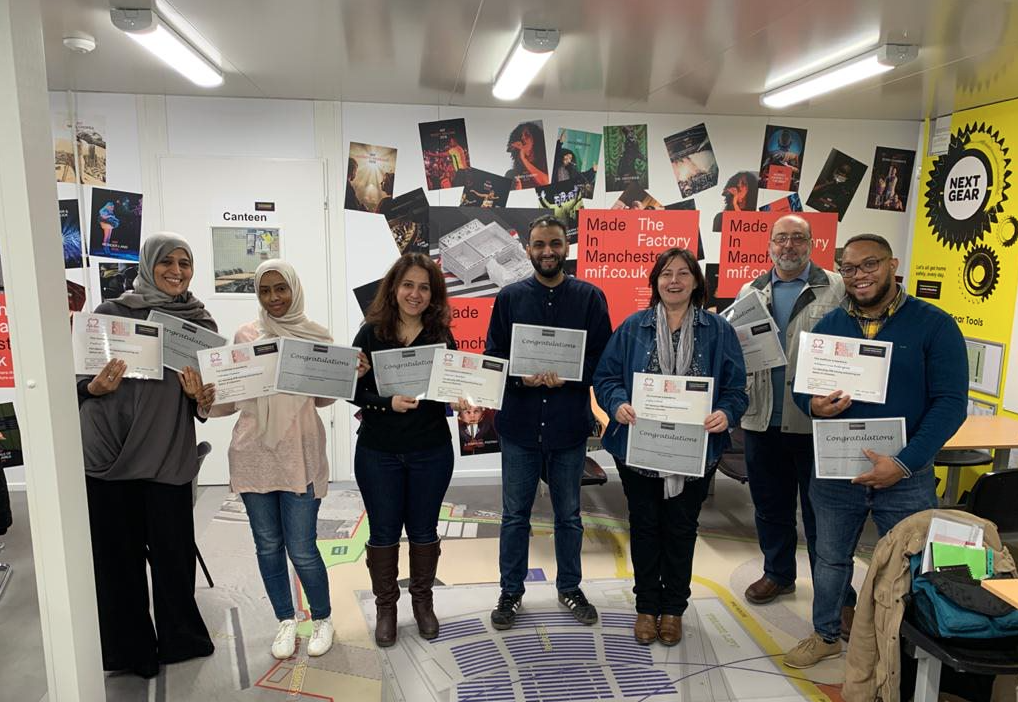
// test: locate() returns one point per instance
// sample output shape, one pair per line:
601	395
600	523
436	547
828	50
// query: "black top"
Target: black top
381	428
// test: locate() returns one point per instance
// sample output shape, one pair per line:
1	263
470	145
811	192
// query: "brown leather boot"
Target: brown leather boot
645	629
670	629
383	564
423	565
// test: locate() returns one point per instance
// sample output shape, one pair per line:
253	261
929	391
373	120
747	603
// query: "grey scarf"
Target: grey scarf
674	360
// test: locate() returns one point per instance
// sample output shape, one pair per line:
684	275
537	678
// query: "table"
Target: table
983	432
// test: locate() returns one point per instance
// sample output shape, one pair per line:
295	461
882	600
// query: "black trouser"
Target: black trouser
662	535
131	521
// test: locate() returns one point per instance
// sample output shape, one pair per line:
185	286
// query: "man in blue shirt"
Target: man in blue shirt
545	421
927	385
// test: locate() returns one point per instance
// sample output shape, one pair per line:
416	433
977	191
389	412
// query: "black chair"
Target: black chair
204	449
993	497
954	460
733	460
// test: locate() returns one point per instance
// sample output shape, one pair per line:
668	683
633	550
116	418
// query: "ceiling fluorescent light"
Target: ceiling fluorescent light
152	32
880	60
531	50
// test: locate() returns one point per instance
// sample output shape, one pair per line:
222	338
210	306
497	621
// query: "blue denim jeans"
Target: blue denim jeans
285	523
841	509
403	490
521	470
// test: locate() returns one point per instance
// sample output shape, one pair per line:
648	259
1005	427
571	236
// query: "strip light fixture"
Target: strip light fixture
531	50
884	58
151	31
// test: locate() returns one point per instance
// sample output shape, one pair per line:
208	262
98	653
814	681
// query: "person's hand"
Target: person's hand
363	365
108	379
206	398
533	381
830	406
552	380
716	422
625	414
885	473
402	403
190	380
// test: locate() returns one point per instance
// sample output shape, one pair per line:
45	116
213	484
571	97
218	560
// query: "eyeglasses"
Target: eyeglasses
797	239
867	266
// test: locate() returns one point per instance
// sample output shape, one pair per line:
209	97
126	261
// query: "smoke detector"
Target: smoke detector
80	43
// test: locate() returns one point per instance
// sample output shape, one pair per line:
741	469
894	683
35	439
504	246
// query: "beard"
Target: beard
544	272
788	264
882	289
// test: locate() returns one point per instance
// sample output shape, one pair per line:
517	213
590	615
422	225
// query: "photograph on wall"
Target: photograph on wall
477	434
115	224
407	218
781	160
10	438
75	296
565	199
70	231
89	134
528	156
837	183
693	161
634	197
6	352
63	150
115	279
690	204
625	156
712	302
789	203
482	189
577	154
891	178
236	254
364	294
445	151
739	195
370	174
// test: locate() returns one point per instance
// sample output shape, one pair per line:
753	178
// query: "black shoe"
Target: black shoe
578	605
504	616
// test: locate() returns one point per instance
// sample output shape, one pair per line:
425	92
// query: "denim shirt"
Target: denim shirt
716	350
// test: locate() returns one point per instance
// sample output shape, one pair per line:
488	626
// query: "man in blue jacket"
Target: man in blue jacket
545	421
928	386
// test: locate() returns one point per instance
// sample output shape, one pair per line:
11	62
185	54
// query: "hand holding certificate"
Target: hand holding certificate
316	369
538	350
182	340
669	435
404	371
97	339
241	371
457	374
839	445
857	367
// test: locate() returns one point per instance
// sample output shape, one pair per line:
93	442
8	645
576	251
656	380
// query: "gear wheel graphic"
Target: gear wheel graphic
1007	232
984	143
981	272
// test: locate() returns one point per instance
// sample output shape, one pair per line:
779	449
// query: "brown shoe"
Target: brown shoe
645	629
423	566
670	629
847	617
766	590
383	565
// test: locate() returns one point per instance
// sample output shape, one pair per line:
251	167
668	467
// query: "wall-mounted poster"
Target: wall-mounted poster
636	198
115	230
10	438
75	296
91	150
528	155
407	217
445	151
781	161
477	432
693	161
625	156
115	279
63	150
690	204
891	179
70	231
789	203
6	353
576	158
837	183
482	189
370	174
740	194
565	199
236	254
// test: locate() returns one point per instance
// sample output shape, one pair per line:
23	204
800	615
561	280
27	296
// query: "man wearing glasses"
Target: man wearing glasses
778	436
928	386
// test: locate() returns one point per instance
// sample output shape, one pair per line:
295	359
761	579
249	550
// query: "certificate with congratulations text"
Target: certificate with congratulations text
536	350
182	340
480	380
672	398
838	444
404	371
761	347
96	339
241	371
316	369
748	309
668	447
858	367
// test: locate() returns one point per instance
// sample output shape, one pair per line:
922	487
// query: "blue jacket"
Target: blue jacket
715	346
928	381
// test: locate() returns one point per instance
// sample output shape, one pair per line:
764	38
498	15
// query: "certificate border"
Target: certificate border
434	365
75	316
407	348
165	314
695	378
512	338
804	352
703	460
279	367
816	455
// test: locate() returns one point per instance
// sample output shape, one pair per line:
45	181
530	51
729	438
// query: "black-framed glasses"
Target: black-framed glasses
797	239
867	266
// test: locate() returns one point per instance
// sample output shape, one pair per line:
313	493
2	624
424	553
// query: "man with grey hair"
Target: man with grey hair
778	436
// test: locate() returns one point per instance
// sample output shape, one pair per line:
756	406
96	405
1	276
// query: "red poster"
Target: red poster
6	360
470	318
778	177
744	245
616	250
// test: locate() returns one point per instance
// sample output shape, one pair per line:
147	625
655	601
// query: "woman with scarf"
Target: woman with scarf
674	336
140	456
279	468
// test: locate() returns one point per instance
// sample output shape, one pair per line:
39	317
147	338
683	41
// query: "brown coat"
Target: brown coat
873	664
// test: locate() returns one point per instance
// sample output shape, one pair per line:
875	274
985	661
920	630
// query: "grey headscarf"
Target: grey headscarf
147	295
674	360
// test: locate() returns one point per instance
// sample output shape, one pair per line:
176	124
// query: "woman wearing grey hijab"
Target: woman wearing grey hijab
140	459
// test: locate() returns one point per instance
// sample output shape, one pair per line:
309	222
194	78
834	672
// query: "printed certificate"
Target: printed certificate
405	371
536	350
96	339
827	363
241	371
478	379
761	347
838	444
672	398
182	340
316	369
668	447
748	309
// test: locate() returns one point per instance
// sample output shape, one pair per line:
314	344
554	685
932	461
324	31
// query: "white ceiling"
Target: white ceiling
670	56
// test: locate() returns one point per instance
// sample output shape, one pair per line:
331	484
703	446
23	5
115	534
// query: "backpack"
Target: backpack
954	605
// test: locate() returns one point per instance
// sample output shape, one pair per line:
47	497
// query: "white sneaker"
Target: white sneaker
321	637
286	639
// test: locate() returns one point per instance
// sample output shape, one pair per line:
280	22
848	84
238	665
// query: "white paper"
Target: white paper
748	309
838	444
241	371
948	531
858	367
672	398
96	339
480	380
679	448
535	349
761	347
404	371
316	369
183	339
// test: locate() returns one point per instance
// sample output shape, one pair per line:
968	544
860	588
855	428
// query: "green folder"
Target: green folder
950	554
